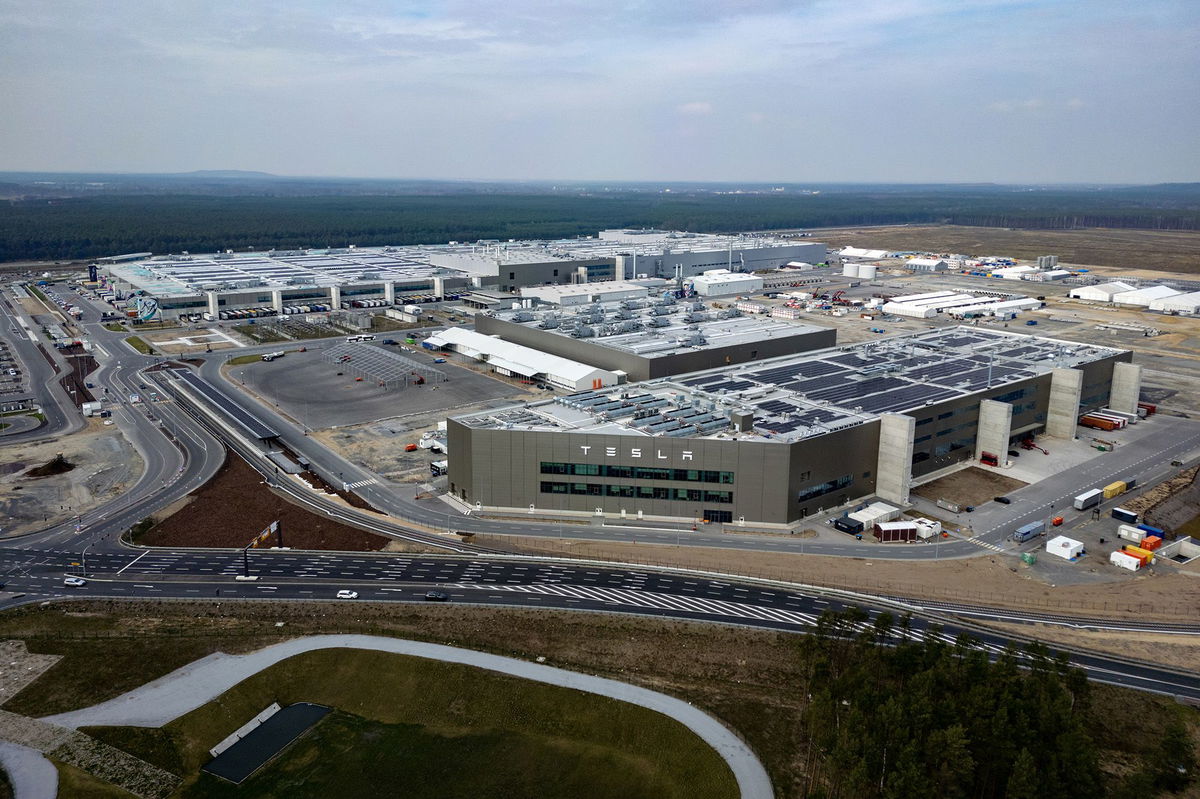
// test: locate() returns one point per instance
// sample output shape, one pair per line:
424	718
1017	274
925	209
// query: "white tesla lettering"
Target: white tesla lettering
685	455
635	453
585	449
610	452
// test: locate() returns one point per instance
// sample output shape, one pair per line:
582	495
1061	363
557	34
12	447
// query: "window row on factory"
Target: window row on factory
637	472
638	492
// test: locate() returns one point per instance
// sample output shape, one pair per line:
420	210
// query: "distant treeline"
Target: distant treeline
87	227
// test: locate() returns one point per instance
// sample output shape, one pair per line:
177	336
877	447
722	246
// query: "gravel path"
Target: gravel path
31	774
171	696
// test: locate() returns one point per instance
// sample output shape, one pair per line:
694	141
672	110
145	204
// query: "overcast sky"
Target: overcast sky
750	90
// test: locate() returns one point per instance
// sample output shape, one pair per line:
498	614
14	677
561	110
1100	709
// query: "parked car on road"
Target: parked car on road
75	582
345	594
1003	500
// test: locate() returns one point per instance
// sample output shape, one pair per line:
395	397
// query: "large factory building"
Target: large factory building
648	338
772	442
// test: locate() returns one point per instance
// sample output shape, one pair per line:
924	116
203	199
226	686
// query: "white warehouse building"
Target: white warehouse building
517	360
1178	303
722	282
1101	292
1144	296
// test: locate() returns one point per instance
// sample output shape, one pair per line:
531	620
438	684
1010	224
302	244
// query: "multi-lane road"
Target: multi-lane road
183	443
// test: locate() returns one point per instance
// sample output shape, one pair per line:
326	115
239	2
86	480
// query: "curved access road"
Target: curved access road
183	690
31	775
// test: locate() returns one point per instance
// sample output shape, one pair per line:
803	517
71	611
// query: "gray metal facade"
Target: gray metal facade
768	482
640	367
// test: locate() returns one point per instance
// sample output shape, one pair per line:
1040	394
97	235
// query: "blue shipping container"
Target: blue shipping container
1151	530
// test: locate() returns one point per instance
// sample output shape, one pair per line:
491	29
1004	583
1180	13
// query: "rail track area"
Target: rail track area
387	369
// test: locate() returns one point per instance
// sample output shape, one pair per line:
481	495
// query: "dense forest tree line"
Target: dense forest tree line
48	229
929	719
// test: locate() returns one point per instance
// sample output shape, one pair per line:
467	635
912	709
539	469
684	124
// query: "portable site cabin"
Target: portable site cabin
1065	548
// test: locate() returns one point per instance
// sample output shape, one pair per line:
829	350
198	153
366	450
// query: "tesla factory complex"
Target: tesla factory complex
777	440
279	282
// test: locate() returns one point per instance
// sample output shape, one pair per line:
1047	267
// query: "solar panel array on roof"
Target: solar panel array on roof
783	374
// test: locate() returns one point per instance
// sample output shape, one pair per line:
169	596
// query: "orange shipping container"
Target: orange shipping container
1151	542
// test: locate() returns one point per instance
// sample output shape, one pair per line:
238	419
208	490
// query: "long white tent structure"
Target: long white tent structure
521	361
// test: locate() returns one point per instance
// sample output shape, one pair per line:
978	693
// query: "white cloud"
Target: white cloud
695	109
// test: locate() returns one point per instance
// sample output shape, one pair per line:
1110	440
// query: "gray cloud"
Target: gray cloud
907	90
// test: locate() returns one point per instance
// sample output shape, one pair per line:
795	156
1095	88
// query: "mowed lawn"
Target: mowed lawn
421	728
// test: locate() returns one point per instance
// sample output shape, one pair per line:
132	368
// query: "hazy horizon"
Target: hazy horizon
1012	92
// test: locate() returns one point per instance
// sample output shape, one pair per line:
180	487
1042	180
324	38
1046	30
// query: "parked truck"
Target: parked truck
1088	499
270	356
1028	531
1114	489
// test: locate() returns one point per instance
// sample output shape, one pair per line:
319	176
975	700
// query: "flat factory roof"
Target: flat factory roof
188	275
655	328
803	396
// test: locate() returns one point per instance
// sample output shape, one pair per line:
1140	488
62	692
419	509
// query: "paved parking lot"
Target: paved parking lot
311	391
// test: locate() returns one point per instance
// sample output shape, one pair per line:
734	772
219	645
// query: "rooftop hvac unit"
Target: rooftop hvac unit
583	331
522	316
659	321
549	323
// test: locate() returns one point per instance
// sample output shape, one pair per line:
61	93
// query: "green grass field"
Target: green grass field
432	729
242	360
115	327
138	344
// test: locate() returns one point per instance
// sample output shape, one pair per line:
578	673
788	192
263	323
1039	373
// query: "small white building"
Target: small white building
723	283
1144	296
1014	272
1065	548
1048	276
1179	303
1101	292
875	513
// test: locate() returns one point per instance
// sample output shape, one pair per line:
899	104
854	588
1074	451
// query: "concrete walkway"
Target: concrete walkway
171	696
32	776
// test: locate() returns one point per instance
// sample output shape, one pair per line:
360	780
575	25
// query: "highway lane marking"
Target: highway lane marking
135	560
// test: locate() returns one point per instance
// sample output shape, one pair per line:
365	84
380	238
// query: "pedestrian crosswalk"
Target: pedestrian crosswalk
650	599
361	483
979	542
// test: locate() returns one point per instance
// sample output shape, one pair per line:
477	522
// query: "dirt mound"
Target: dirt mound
57	465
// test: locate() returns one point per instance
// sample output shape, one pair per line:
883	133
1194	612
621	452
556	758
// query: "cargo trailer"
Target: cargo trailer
1148	530
1028	531
1096	423
1151	543
1140	552
1088	499
1149	407
1142	556
1131	418
1114	489
1128	516
1120	421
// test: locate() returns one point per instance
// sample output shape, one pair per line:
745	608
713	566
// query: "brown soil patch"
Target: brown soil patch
993	580
235	506
971	486
1172	651
58	465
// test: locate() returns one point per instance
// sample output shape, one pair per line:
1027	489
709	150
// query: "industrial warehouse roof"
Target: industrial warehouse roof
515	358
188	275
657	327
802	396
